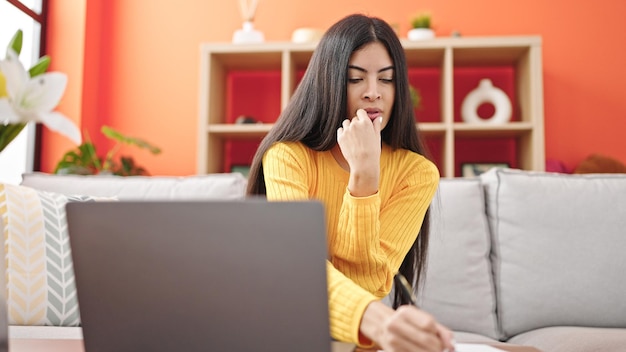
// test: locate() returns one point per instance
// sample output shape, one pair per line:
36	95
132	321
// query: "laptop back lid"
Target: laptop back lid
242	275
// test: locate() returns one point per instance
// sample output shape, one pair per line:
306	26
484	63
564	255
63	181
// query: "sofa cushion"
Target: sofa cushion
39	271
224	186
573	339
468	337
458	289
558	248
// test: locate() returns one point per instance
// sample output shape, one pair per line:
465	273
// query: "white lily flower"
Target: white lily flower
33	99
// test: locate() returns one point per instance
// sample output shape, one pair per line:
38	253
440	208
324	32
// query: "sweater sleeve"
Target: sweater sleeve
373	238
286	173
347	302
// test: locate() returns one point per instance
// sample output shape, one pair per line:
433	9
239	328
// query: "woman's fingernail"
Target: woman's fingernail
380	119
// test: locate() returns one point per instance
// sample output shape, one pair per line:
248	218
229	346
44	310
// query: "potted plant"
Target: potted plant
421	27
83	160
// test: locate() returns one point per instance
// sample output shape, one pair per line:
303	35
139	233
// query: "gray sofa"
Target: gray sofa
531	259
521	257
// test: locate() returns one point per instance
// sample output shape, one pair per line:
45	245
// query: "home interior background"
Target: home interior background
584	113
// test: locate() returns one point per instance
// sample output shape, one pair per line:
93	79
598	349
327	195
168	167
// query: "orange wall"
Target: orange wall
134	64
66	56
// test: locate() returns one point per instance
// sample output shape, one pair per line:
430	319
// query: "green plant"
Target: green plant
83	160
416	98
422	20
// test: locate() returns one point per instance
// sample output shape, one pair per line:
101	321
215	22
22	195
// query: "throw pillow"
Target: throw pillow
39	271
600	164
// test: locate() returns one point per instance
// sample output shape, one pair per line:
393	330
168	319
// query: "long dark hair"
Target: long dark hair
319	105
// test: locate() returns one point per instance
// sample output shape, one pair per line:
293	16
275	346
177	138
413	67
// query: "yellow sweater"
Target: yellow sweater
368	237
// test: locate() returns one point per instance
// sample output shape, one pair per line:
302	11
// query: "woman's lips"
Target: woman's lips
373	113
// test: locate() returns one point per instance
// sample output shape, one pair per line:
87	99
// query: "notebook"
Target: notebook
236	275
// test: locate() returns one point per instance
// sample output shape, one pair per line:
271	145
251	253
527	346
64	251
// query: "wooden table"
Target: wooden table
72	345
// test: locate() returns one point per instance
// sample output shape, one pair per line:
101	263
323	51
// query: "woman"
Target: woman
348	138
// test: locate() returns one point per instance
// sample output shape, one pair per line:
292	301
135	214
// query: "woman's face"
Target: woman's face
371	84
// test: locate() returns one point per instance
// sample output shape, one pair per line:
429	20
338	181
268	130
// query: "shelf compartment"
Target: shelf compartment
485	150
490	51
427	82
239	152
237	57
253	94
466	79
426	56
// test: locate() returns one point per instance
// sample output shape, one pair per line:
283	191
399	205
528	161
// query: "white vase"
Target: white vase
486	92
248	34
421	34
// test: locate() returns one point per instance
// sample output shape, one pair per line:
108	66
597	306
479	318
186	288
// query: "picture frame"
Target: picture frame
475	169
242	169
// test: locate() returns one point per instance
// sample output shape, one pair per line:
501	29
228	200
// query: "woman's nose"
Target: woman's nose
371	92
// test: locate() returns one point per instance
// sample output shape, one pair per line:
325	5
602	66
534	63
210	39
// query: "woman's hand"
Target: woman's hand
360	143
405	329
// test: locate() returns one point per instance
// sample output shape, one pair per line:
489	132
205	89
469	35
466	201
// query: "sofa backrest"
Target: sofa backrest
458	289
558	244
223	186
546	250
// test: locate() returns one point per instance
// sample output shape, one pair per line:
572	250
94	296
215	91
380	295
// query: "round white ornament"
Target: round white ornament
486	93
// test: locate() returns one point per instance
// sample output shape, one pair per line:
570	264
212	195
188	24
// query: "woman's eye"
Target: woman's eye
354	80
387	80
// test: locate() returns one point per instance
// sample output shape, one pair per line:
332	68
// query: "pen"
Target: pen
403	284
407	290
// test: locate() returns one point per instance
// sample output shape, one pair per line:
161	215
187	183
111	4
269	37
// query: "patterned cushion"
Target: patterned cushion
40	276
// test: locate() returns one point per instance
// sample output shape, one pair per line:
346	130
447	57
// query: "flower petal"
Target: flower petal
42	93
14	73
3	86
7	113
59	123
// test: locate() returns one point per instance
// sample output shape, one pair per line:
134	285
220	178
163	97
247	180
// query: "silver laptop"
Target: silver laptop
244	275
